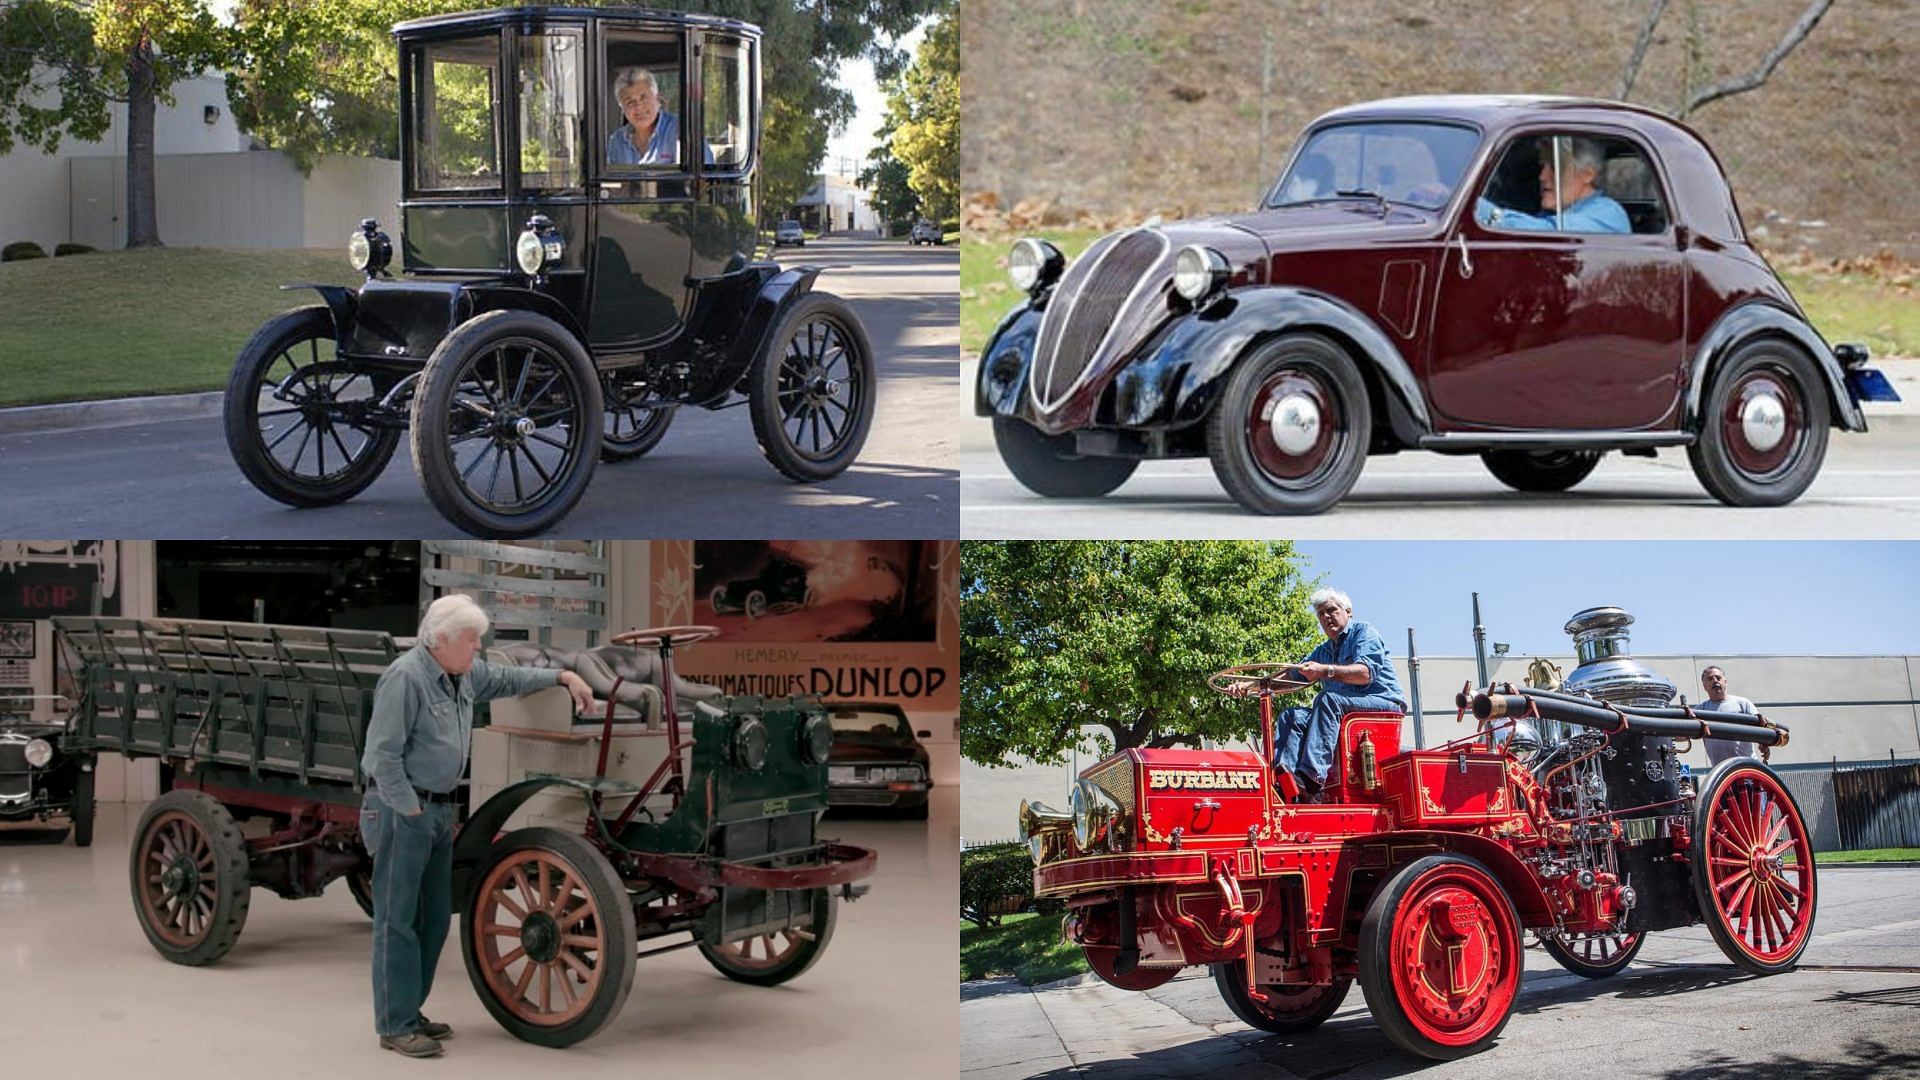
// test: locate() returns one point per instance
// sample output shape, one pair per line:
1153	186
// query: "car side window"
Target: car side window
550	109
726	74
1574	182
457	95
644	103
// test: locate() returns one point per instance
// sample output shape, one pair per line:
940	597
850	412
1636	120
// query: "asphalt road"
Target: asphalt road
1869	487
706	480
1680	1012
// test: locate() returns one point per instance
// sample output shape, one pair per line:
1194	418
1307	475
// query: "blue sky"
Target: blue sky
1721	597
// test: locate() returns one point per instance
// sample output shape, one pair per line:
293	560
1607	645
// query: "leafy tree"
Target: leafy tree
923	108
887	178
1122	634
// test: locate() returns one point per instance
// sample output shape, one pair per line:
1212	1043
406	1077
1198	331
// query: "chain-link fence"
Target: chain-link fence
1117	108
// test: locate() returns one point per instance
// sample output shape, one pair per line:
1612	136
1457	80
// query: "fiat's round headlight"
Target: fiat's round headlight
1198	271
1034	264
749	744
816	738
39	752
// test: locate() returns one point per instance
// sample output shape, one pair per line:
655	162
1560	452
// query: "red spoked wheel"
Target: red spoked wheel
1753	871
1287	1010
1594	956
772	958
189	877
548	937
1102	959
1440	957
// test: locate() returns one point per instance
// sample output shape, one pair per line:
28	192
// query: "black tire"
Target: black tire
592	880
630	430
1540	470
1048	465
1729	466
1377	958
83	805
798	951
756	604
1595	956
718	598
560	422
270	357
1261	475
360	884
1762	794
1288	1010
814	371
209	878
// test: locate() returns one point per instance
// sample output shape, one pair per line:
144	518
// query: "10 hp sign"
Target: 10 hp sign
41	591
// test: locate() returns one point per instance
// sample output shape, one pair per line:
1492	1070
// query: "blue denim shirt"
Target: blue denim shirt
1359	643
422	729
1597	213
662	149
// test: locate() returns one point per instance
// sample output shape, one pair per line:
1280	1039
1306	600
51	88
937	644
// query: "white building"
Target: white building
836	204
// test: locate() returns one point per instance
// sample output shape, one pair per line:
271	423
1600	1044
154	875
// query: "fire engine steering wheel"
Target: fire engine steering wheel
1247	680
666	635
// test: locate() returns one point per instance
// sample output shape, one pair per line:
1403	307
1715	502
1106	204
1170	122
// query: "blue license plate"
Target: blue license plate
1867	384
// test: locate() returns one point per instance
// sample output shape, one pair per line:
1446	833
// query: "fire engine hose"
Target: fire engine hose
1677	723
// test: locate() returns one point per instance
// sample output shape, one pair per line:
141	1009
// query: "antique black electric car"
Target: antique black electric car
780	585
578	237
41	777
1535	280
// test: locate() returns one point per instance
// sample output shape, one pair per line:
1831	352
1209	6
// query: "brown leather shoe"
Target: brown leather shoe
413	1044
434	1031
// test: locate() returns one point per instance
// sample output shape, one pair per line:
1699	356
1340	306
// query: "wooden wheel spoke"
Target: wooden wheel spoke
568	957
546	987
501	964
581	941
499	930
567	921
501	898
522	984
566	984
526	888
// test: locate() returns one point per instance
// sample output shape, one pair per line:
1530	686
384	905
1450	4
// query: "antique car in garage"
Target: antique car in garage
44	777
1536	281
564	288
1567	813
877	760
265	726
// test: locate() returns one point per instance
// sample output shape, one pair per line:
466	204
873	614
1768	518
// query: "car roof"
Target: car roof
1494	110
491	17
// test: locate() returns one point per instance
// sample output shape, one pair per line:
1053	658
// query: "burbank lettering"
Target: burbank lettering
1203	780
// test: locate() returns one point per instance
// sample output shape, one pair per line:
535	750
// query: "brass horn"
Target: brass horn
1038	816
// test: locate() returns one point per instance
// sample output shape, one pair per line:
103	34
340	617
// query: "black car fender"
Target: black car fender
1762	318
775	296
342	304
482	297
1006	362
475	838
1184	368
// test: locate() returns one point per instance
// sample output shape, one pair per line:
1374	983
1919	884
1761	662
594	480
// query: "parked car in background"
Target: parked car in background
789	232
41	778
877	760
926	232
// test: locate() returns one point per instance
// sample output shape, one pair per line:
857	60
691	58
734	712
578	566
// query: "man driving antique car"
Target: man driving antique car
651	135
1355	673
1570	189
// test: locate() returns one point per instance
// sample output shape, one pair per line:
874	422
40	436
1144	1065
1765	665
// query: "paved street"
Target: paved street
1681	1012
706	480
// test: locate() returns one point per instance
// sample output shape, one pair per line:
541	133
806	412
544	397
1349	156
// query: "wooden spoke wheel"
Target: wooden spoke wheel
548	937
1288	1009
188	872
1753	871
1247	680
1594	956
771	959
1440	957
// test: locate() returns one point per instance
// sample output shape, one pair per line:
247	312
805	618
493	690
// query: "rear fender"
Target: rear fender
1757	319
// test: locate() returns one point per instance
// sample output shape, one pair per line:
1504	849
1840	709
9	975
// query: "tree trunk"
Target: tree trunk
142	228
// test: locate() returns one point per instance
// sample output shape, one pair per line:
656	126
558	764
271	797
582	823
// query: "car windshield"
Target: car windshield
870	722
1415	163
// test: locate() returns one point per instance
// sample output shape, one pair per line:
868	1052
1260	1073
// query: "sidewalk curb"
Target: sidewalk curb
109	413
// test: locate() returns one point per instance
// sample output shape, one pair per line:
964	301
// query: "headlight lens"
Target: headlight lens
369	250
816	738
1033	264
1198	271
530	252
894	774
1094	814
359	251
749	744
39	752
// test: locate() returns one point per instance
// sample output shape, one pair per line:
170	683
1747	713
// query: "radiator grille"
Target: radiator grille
14	778
1088	308
1116	779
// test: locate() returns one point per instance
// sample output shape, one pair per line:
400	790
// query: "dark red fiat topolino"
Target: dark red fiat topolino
1534	280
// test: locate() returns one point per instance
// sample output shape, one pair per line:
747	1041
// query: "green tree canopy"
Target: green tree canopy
1121	634
887	177
923	109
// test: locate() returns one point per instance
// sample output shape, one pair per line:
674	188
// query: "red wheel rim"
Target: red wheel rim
1753	386
540	938
1276	462
1764	900
178	879
1455	956
764	952
1598	950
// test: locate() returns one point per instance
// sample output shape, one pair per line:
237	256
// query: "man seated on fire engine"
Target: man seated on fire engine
1355	674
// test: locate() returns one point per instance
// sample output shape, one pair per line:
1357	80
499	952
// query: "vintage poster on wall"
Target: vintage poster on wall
16	656
849	620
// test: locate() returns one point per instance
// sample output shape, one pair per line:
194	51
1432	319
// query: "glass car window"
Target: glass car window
550	110
1622	196
851	722
726	74
456	102
1415	163
645	96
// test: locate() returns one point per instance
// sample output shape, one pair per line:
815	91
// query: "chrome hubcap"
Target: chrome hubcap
1295	424
1763	422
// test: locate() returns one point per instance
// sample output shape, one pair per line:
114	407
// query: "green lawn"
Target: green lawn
1885	854
165	320
1027	947
1843	307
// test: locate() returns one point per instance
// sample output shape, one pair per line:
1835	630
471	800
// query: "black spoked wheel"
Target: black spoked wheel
1049	465
507	425
1763	427
300	424
634	424
1540	470
771	959
1594	956
812	389
1289	434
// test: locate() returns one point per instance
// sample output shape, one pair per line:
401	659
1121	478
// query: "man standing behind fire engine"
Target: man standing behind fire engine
1355	674
1714	682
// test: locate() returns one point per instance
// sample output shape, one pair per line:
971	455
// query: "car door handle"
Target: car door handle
1466	258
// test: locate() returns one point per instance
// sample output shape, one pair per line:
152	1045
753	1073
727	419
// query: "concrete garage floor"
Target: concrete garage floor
83	994
1681	1011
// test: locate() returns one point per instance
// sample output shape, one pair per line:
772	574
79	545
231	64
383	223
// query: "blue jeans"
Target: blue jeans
1304	736
412	906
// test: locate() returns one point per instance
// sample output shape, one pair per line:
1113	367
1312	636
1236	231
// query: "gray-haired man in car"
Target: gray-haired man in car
417	745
